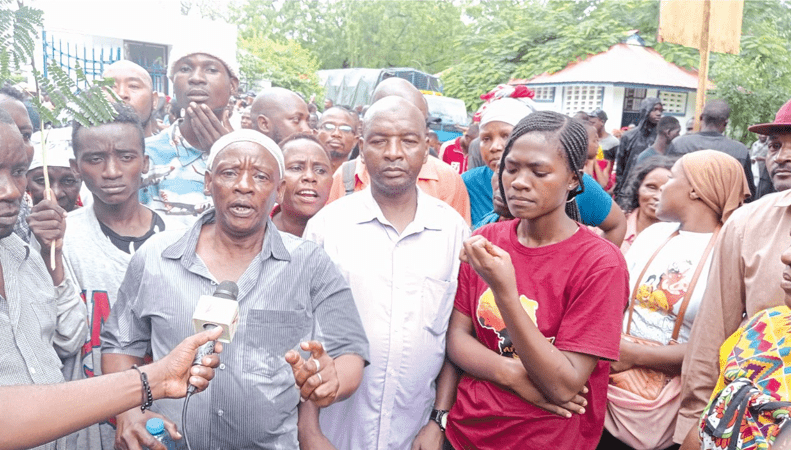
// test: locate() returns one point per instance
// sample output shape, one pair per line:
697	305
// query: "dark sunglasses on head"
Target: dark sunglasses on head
331	127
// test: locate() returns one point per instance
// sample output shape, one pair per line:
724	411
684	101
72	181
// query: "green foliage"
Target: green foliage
350	33
286	65
18	30
88	106
524	39
756	82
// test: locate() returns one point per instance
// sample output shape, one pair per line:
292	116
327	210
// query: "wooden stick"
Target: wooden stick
47	190
703	69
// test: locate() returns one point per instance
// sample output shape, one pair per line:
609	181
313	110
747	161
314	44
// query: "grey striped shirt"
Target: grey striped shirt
290	292
28	318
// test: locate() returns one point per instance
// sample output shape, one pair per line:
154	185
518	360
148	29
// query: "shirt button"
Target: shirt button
32	370
220	413
222	366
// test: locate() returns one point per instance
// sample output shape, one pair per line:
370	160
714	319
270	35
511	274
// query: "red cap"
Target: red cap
781	124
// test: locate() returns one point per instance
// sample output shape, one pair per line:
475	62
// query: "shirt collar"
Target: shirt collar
14	247
370	210
785	199
185	247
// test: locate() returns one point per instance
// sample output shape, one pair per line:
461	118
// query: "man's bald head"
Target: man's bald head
394	108
278	113
129	68
134	86
400	87
716	113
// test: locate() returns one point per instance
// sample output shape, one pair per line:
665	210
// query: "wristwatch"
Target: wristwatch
441	417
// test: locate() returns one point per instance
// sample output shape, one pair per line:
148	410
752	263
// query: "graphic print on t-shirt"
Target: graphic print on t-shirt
488	315
659	292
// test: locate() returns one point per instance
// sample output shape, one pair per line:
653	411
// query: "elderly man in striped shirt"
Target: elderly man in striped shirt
289	293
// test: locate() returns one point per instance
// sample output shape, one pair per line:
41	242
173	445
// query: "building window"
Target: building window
673	102
544	94
581	98
632	98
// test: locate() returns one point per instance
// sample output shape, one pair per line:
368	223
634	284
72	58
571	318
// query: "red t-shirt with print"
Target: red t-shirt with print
455	157
576	291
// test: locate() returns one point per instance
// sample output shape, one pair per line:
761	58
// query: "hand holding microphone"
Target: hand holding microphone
218	310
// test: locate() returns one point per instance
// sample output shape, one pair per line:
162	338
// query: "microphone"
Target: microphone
220	309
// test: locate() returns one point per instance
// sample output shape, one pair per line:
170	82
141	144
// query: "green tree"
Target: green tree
19	26
757	81
350	33
18	29
285	64
524	39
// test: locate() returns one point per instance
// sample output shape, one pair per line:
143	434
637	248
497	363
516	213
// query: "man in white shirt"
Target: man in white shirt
398	249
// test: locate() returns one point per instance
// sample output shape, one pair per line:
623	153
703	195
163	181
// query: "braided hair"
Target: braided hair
573	138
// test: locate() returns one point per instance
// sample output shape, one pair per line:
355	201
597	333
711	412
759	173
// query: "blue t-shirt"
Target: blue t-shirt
492	217
479	186
594	204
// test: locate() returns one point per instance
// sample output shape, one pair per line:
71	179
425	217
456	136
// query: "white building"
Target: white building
617	81
95	33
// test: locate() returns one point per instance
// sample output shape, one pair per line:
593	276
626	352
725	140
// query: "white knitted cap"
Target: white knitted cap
226	55
59	150
246	135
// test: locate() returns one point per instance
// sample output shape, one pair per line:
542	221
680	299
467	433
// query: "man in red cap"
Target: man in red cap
743	278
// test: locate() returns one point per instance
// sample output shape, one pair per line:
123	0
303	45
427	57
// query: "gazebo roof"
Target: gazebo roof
623	65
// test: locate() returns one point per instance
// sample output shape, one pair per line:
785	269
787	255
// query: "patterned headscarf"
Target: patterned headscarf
718	179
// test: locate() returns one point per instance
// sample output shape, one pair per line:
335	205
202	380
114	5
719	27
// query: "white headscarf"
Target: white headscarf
508	110
246	136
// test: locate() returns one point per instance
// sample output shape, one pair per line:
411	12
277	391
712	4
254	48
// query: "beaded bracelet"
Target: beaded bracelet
148	398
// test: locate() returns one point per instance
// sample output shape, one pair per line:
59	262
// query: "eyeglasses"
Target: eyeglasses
330	127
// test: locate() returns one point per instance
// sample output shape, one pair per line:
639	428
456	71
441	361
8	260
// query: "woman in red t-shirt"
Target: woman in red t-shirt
539	305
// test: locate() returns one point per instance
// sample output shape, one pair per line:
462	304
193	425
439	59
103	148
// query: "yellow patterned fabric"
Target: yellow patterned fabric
725	350
751	400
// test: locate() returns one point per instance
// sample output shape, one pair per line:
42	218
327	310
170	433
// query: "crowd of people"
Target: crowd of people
536	282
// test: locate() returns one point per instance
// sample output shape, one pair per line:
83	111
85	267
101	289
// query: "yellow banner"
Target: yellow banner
681	22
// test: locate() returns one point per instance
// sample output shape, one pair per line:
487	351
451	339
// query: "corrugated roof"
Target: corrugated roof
621	64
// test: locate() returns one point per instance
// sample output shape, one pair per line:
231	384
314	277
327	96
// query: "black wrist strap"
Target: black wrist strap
436	416
148	398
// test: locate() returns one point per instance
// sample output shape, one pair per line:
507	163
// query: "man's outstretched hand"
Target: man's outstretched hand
316	378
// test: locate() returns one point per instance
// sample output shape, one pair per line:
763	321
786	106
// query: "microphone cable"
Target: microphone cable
227	290
184	418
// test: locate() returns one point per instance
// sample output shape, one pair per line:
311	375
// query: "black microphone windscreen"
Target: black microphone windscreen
227	289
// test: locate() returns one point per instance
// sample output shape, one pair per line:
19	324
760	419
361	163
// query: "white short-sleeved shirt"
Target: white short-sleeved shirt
404	286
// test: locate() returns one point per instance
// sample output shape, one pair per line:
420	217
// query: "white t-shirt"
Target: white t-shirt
665	283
